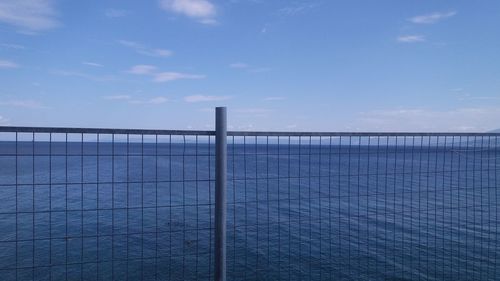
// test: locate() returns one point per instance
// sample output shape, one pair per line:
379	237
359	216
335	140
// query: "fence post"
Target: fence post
220	192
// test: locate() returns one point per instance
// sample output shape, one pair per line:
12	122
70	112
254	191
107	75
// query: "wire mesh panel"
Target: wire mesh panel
78	204
363	206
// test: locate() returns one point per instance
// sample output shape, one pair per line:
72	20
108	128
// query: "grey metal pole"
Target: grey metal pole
220	192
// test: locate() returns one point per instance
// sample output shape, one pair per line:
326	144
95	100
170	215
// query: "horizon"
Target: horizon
305	65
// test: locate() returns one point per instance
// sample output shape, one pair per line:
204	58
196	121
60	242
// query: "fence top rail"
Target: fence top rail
12	129
354	134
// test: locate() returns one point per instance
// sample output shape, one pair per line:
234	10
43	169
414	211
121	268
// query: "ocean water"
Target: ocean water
144	211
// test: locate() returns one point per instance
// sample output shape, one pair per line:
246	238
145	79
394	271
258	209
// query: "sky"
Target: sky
294	65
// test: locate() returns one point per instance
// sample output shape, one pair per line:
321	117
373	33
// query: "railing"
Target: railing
85	204
106	204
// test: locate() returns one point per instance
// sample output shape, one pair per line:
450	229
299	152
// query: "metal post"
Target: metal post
220	192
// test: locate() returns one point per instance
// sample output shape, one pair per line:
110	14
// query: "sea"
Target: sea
349	210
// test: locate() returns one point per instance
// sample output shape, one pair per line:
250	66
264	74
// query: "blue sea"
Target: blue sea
296	211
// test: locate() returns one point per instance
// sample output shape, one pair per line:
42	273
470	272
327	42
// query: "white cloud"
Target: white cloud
29	15
208	21
117	97
411	39
252	110
156	100
249	68
466	97
172	76
130	100
8	64
432	17
202	98
12	46
92	64
162	76
4	121
99	78
478	119
274	98
244	127
142	69
115	13
145	50
298	7
22	103
238	65
161	53
201	10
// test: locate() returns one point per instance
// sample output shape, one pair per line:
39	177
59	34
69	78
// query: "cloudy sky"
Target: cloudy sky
307	65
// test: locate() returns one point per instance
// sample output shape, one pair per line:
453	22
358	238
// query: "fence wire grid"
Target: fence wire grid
363	207
99	204
106	206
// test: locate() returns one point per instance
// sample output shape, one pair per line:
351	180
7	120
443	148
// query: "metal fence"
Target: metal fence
100	204
363	206
87	204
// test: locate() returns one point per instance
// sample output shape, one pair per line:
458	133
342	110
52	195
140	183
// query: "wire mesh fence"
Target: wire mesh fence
106	205
97	204
363	207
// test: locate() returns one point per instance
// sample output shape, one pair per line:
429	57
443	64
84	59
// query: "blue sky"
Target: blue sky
307	65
